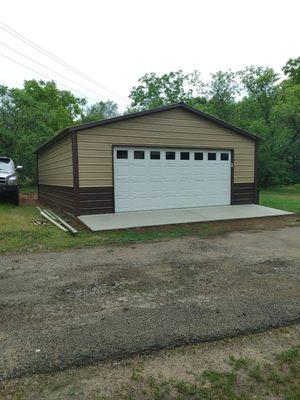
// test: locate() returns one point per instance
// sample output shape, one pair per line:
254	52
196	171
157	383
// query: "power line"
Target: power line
34	45
50	69
45	76
52	56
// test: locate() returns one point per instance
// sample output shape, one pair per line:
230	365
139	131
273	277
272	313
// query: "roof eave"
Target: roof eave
53	140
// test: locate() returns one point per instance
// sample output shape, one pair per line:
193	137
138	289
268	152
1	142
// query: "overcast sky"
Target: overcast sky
117	41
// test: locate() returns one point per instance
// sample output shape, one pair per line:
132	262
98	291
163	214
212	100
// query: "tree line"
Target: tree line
257	99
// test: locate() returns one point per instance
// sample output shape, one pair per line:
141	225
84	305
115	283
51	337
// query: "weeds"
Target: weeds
246	380
242	379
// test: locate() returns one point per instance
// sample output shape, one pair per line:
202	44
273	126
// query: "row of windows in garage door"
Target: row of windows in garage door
171	155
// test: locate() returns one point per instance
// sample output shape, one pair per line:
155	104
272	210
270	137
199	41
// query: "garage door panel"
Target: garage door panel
149	184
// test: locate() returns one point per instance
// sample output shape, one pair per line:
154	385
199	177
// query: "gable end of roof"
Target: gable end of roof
125	117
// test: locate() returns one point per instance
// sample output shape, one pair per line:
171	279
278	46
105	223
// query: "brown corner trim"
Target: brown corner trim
256	194
232	177
75	172
113	178
37	175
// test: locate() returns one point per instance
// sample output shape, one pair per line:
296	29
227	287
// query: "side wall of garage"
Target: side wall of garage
171	128
55	172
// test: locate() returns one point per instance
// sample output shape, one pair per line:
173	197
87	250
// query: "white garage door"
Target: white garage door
152	178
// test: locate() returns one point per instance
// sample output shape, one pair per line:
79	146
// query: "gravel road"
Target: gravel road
75	308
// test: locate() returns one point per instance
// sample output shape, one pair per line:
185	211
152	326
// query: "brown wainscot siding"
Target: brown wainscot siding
96	200
243	193
61	197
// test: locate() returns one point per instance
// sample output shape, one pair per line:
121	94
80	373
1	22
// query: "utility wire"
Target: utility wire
52	70
32	44
47	77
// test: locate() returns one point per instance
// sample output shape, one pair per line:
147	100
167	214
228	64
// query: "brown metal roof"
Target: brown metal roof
125	117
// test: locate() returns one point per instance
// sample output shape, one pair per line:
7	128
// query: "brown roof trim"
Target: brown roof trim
149	112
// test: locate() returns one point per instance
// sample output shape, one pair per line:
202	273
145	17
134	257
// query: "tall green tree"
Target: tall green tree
32	115
286	116
222	91
174	87
292	70
260	85
100	110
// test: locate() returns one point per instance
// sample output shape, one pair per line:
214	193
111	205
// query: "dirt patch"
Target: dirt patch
112	379
245	224
28	199
87	305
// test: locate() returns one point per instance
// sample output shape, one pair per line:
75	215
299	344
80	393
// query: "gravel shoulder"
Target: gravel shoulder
128	378
66	309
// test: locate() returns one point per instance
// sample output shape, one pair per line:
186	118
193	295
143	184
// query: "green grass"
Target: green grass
246	379
285	198
28	189
18	234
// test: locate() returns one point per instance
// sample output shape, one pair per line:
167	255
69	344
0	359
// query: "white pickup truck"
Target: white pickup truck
9	180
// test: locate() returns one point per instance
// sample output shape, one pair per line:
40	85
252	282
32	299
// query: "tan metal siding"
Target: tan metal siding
169	128
55	165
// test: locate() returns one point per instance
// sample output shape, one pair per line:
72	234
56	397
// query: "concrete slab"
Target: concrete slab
102	222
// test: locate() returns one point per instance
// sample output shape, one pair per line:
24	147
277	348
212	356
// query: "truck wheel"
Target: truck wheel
15	198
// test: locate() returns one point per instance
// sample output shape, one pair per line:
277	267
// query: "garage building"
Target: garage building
169	157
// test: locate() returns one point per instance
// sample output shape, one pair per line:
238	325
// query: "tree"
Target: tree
100	110
292	69
222	91
286	118
32	115
260	84
173	87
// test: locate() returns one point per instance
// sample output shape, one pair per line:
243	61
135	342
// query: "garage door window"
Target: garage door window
224	156
198	156
122	154
184	155
139	155
170	155
155	155
212	156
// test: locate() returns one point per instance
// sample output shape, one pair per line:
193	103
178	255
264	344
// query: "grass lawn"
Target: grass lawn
285	198
28	189
17	233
